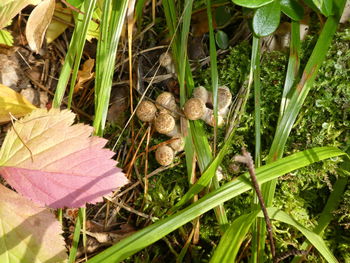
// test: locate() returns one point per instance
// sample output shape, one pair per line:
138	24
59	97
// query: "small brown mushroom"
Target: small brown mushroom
164	155
224	98
166	61
178	144
146	111
195	109
203	94
166	101
165	124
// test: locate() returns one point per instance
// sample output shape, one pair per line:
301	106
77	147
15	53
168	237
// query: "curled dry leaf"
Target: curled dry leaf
13	103
85	74
28	233
38	22
8	9
49	160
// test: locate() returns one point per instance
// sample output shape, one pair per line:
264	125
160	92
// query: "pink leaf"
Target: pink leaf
59	164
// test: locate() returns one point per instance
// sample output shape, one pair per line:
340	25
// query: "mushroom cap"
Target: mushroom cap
146	111
165	59
164	123
166	99
194	109
164	155
178	144
224	97
201	93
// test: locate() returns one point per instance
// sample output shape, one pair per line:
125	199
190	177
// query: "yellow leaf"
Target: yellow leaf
58	26
14	103
38	21
11	8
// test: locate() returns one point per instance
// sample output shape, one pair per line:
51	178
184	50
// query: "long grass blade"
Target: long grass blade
232	239
331	205
156	231
311	236
75	50
293	66
113	17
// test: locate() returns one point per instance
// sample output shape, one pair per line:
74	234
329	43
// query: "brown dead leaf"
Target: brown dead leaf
85	74
38	22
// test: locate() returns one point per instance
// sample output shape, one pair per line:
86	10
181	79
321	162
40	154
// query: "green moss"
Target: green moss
323	121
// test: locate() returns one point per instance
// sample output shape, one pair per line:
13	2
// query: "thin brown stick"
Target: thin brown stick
247	159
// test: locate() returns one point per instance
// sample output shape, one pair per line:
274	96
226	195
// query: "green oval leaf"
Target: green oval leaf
221	39
252	3
266	19
292	9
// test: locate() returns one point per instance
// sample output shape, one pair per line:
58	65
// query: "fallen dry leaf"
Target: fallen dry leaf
13	103
37	23
85	74
11	8
49	160
28	233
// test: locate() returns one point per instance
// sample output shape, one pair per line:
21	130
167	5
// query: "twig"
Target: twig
247	159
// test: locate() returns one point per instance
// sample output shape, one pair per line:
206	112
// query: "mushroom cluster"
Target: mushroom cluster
196	107
163	114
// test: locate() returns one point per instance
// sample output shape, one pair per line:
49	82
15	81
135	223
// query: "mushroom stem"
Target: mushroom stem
166	61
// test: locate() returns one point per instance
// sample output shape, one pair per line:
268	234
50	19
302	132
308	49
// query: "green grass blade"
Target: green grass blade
88	10
311	236
182	62
255	70
293	65
232	239
75	44
333	202
156	231
300	93
299	96
76	237
213	65
257	98
204	157
113	17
